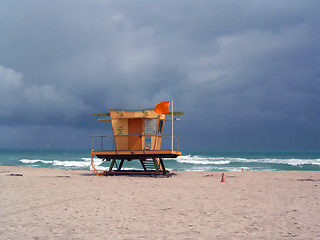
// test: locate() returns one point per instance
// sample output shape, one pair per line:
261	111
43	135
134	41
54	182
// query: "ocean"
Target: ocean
189	161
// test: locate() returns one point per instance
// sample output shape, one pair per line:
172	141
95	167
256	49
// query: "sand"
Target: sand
70	204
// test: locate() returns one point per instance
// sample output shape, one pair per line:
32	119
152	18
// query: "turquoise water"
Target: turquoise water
189	161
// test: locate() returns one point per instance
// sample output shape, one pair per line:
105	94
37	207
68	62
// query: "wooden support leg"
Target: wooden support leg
142	163
163	167
155	164
158	162
111	164
121	163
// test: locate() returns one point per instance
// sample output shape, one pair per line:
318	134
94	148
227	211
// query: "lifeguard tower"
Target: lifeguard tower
137	135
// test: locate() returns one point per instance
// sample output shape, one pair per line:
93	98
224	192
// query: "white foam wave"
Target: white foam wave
70	163
292	161
202	160
28	161
59	163
100	168
196	163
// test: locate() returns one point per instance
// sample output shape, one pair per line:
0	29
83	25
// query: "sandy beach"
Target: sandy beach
71	204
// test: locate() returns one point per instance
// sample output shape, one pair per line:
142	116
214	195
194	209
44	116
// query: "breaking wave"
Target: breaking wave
190	162
203	160
60	163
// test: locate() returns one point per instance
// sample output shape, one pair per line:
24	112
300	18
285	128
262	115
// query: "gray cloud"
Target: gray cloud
36	104
249	71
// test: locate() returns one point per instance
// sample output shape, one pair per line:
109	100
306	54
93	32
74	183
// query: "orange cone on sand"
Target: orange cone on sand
223	178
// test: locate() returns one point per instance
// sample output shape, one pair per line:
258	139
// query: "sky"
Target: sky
246	73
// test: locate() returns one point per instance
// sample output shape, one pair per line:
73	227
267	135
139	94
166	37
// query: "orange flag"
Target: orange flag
162	107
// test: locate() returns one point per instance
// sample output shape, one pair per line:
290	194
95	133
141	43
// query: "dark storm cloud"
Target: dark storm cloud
248	70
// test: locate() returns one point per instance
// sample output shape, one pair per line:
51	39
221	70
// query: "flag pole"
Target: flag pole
172	126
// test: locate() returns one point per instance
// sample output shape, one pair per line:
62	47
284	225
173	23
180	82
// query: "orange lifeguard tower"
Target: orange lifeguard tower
137	135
